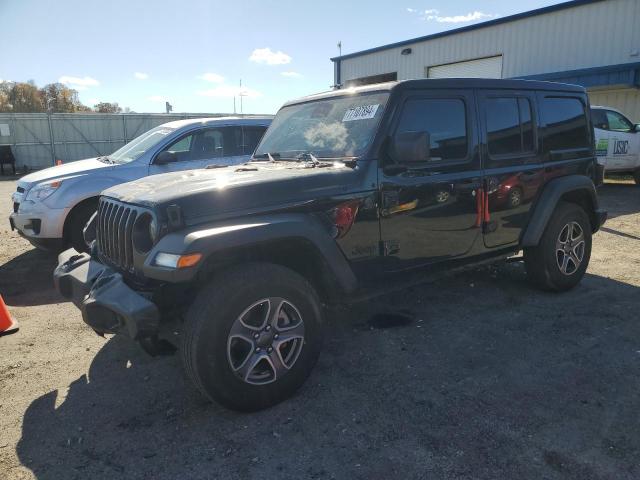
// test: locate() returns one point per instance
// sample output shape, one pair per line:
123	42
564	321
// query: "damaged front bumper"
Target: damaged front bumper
107	303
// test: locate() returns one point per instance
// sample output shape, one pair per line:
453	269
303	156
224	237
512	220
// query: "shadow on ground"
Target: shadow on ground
621	198
489	379
27	280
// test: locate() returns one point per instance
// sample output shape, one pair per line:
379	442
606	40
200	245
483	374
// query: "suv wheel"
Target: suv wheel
251	339
515	197
559	261
78	218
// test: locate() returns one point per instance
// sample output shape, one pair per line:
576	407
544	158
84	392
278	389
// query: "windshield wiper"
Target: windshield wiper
308	157
271	157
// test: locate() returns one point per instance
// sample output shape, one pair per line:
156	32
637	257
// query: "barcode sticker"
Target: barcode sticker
363	112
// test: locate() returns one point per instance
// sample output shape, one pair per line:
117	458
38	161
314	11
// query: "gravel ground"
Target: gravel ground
488	379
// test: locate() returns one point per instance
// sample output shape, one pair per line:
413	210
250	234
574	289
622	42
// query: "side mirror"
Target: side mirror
411	147
636	128
165	157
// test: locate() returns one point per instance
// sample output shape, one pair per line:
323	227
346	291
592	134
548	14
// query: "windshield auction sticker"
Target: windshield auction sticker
363	112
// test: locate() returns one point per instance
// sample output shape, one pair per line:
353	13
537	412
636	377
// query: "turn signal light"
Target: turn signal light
189	260
344	216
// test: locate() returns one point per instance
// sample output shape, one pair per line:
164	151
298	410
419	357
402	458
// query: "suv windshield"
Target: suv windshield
331	128
139	145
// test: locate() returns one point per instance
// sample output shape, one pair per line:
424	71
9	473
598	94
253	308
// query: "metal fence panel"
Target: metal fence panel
39	139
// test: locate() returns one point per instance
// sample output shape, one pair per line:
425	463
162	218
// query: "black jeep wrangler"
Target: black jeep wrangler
349	193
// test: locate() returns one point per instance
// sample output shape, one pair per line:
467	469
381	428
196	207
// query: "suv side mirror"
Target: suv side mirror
636	128
165	157
411	147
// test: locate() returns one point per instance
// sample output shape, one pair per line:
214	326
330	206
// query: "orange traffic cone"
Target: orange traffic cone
7	324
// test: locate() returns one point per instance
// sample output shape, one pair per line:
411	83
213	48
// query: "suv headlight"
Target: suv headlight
39	192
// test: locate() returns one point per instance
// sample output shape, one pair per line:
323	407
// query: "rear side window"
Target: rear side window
446	122
566	123
509	126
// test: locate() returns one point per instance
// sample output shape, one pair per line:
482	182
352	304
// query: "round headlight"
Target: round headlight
143	240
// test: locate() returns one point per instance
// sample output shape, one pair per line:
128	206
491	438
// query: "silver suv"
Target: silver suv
51	206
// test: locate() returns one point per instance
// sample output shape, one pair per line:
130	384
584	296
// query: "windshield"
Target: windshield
139	145
330	128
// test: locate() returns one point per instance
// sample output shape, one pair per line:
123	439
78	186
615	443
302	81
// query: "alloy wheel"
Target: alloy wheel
570	247
265	341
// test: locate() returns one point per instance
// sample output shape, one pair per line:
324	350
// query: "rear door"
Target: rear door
428	213
513	165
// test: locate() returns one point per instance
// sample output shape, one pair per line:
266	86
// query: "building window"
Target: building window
566	123
509	126
384	77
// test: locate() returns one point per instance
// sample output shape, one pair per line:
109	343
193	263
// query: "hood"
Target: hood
208	194
65	170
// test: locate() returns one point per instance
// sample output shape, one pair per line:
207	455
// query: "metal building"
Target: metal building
594	43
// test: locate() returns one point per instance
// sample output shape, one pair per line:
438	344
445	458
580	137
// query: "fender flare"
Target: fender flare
549	198
215	239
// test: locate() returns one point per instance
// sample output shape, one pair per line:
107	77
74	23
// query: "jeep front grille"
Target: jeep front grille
114	232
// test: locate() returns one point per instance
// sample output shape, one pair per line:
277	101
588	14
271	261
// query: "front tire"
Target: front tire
560	259
78	218
252	336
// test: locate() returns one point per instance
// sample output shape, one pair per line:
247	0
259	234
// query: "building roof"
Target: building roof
442	83
477	26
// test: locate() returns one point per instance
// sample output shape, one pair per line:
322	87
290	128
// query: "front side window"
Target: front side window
444	119
251	137
566	123
599	119
509	126
618	122
208	144
334	127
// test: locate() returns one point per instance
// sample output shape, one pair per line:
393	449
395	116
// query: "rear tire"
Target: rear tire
560	259
234	343
78	218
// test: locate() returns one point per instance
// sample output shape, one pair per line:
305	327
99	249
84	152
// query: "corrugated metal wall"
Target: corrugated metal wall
37	139
602	33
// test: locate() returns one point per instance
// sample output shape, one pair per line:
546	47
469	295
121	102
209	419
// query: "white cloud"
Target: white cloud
157	98
291	74
211	77
228	91
141	76
269	57
79	83
434	16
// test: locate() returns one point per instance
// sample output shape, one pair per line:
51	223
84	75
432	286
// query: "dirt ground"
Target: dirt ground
490	379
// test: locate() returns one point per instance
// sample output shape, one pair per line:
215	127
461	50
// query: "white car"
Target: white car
617	142
52	206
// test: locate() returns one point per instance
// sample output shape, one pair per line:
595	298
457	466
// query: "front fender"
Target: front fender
551	194
216	239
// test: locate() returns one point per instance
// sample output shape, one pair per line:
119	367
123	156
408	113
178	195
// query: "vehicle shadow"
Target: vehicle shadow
27	280
619	198
490	379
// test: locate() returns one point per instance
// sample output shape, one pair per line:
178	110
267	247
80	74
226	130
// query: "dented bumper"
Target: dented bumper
107	303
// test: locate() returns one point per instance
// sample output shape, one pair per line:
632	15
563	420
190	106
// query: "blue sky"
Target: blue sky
194	52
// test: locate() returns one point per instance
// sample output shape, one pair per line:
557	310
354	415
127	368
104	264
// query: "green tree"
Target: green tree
59	98
24	98
107	107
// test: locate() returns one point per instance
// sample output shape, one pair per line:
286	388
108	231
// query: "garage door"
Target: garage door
490	67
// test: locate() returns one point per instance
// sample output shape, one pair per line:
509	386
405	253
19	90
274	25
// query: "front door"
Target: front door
624	143
429	211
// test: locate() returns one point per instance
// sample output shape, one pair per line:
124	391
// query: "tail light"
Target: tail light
343	216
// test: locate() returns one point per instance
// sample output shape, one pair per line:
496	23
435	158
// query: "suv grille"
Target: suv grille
114	229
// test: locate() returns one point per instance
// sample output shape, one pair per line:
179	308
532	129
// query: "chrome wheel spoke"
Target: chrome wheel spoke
570	246
277	364
250	363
